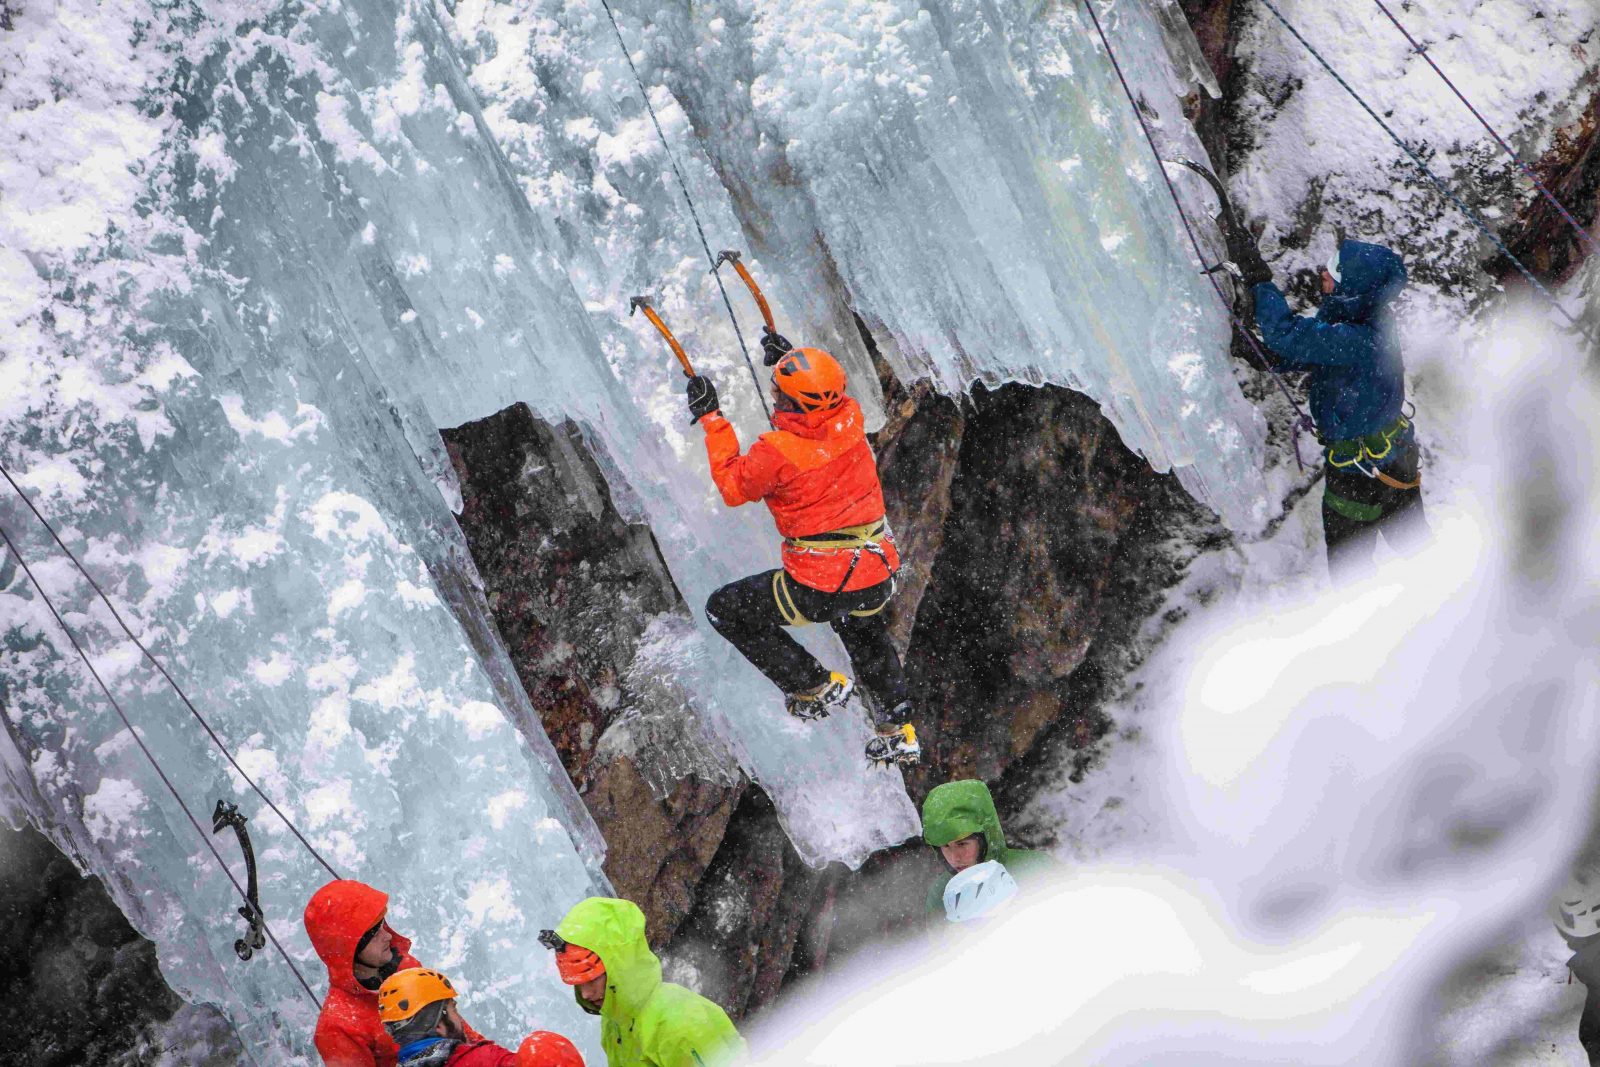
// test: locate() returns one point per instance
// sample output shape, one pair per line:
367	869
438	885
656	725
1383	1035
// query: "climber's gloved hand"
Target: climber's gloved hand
1252	268
774	346
702	397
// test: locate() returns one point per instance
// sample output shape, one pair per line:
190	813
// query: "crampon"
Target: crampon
819	702
894	744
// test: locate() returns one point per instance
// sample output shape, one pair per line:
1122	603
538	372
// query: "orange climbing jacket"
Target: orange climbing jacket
819	479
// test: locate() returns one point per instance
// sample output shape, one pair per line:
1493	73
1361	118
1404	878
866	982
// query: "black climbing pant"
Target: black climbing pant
751	616
1356	508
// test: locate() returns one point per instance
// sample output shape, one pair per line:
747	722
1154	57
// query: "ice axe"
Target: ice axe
640	302
728	255
1238	239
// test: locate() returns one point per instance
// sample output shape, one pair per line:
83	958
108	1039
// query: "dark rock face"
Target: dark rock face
80	987
1543	239
571	585
575	591
1043	499
738	943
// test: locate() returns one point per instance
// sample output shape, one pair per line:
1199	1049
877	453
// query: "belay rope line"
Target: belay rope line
1438	183
1302	420
115	614
154	763
1544	190
694	214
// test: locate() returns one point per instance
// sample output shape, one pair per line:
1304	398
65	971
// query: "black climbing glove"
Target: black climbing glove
1252	268
1247	257
774	346
702	397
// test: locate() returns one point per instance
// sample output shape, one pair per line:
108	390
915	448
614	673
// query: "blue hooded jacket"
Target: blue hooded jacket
1357	382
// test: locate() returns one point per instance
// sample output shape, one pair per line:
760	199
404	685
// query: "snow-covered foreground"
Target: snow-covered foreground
1338	798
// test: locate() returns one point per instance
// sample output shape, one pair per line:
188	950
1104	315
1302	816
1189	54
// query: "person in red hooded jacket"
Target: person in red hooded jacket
816	473
345	921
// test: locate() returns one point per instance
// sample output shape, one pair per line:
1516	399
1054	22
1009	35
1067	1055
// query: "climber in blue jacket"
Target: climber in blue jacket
1357	396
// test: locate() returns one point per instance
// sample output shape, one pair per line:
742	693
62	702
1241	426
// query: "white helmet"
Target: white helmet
1577	910
978	891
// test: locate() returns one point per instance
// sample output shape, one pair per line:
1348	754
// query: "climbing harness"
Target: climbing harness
182	696
728	255
694	214
150	756
227	816
640	303
1544	190
1362	454
1302	421
1438	183
867	537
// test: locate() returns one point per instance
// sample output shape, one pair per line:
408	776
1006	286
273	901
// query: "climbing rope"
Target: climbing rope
156	764
1422	50
693	213
1438	183
176	688
1302	419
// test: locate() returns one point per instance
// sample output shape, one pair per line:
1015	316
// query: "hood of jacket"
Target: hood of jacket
336	917
958	809
614	930
1370	276
844	418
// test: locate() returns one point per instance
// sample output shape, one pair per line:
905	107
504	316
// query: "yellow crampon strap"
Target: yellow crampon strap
785	601
1374	446
847	538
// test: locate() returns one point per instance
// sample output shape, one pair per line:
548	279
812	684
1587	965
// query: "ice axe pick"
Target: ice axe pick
640	302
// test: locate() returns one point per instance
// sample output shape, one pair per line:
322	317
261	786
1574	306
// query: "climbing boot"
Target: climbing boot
894	744
818	701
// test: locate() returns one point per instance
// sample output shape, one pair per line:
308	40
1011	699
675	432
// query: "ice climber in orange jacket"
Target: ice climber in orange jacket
816	473
346	922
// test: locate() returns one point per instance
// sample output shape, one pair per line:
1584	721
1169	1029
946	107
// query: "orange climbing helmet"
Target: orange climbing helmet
811	378
545	1049
404	993
578	965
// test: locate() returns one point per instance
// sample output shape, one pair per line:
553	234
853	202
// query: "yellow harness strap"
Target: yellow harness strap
785	601
1373	446
848	538
791	613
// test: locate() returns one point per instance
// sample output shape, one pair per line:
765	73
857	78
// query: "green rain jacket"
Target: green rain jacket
644	1021
958	809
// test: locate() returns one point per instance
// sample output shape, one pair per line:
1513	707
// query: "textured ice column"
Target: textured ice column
970	176
221	456
475	311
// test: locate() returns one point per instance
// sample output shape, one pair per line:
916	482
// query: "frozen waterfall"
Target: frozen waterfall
254	254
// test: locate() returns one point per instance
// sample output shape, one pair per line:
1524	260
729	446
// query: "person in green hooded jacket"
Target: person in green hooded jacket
959	819
602	953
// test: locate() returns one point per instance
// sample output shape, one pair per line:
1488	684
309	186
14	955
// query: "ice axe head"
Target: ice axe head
727	255
636	303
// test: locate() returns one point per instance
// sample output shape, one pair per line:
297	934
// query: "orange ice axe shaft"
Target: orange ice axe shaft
640	303
730	256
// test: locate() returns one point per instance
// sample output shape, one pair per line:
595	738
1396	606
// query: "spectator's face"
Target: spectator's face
963	853
594	990
1328	284
376	953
